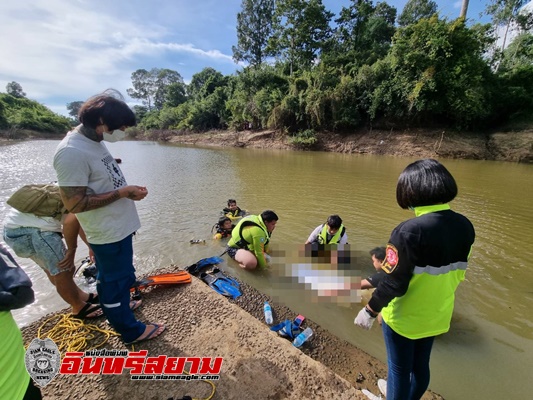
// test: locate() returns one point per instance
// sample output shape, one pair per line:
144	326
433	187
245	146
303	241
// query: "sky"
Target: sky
61	51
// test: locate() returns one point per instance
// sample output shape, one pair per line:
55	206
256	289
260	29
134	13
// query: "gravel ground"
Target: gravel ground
258	364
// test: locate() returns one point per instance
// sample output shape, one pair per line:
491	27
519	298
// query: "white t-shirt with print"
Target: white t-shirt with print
79	161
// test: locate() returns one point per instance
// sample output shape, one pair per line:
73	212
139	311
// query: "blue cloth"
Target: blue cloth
116	275
408	365
15	286
46	248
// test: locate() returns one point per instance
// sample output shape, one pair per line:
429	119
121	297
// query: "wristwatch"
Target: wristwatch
370	312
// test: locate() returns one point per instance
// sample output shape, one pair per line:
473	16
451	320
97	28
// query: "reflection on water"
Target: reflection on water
492	324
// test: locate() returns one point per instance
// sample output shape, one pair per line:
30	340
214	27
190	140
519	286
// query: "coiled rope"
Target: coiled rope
73	335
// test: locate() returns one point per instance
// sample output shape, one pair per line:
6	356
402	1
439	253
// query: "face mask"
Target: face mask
114	136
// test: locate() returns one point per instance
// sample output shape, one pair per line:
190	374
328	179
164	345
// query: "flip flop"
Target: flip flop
93	298
135	304
87	310
151	335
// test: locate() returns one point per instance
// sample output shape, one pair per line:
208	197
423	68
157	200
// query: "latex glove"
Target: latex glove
364	320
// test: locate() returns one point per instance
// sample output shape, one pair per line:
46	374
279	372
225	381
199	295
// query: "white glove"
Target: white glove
364	320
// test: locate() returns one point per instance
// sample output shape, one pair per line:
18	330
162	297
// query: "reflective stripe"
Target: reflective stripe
114	305
460	265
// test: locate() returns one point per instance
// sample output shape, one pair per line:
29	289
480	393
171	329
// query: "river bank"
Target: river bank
512	145
258	364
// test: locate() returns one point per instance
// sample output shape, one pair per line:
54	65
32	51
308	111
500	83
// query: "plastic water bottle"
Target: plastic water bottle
303	337
268	314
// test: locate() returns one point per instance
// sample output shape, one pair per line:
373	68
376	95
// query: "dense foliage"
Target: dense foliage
306	70
309	71
20	113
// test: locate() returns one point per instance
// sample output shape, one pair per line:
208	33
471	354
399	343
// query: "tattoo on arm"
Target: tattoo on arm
77	200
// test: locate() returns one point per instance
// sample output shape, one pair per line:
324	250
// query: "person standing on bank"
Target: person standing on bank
426	259
93	187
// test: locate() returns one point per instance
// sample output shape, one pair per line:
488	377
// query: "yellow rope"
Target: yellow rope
73	334
214	388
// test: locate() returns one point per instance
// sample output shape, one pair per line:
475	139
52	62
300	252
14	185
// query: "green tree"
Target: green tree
518	54
151	86
301	29
140	112
437	73
14	89
73	108
415	10
505	14
143	87
245	105
254	28
205	82
363	36
168	85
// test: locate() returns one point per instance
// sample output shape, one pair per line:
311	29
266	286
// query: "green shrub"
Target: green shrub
304	139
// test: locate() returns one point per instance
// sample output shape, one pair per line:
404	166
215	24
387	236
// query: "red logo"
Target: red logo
391	260
114	362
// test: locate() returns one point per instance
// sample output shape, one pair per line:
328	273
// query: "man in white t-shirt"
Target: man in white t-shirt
332	232
93	187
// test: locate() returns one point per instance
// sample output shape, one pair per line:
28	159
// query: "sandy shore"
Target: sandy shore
258	364
513	146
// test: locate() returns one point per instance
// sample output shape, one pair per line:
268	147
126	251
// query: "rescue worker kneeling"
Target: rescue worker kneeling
250	238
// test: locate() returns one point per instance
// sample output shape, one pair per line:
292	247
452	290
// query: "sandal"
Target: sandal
93	298
89	311
135	304
151	334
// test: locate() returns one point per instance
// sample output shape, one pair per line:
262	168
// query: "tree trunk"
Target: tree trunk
464	9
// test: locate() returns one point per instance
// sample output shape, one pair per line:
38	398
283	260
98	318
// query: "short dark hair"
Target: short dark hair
269	216
334	221
423	183
106	108
378	252
232	201
222	220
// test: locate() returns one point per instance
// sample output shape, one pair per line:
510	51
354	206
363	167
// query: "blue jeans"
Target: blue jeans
116	275
408	365
45	248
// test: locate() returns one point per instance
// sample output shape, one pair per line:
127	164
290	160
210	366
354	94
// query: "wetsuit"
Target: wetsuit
251	234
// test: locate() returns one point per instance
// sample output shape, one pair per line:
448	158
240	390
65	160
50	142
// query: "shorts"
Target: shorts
231	251
46	248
